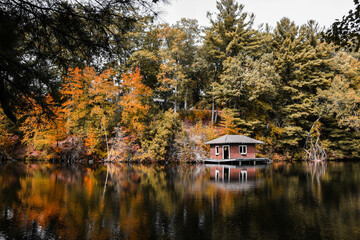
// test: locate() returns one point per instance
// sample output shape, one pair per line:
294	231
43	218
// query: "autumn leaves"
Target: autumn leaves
90	104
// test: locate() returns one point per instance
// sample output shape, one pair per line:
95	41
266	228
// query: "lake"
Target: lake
276	201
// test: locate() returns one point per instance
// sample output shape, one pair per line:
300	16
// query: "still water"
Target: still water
278	201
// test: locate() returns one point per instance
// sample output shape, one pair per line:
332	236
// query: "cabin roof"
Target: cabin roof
234	139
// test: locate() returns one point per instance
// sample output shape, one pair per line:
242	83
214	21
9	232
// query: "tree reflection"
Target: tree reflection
43	201
317	171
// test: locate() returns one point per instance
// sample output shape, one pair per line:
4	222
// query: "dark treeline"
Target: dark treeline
106	80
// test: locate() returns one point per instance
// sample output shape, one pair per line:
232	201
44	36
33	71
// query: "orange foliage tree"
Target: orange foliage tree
134	102
88	105
228	122
90	101
42	133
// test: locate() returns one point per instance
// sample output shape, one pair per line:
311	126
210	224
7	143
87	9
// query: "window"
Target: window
216	150
243	149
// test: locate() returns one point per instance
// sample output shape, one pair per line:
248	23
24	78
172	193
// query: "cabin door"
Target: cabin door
226	152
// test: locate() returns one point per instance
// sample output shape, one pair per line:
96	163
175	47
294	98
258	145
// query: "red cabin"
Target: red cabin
233	147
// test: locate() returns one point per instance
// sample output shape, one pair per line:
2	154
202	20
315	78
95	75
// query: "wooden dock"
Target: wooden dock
239	161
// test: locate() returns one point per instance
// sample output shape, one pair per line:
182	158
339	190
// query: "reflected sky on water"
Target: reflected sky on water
277	201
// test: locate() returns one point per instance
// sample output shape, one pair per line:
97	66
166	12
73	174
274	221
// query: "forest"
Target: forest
108	80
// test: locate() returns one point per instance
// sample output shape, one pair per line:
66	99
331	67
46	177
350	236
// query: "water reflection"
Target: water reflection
317	171
235	178
279	201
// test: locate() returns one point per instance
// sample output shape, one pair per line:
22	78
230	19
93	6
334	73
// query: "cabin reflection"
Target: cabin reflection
229	173
232	177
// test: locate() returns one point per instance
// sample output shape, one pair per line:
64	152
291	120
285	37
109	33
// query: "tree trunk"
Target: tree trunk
175	106
185	100
314	149
175	102
216	114
107	144
213	108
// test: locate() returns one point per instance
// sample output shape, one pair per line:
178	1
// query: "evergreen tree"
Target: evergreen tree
246	82
230	34
304	65
338	107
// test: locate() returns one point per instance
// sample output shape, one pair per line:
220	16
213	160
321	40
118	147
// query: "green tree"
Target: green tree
176	77
230	34
338	107
304	65
159	140
245	82
145	50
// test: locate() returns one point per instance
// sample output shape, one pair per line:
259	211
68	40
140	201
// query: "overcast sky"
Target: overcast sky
266	11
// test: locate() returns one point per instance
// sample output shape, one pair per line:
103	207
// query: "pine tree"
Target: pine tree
230	34
246	82
304	65
338	107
